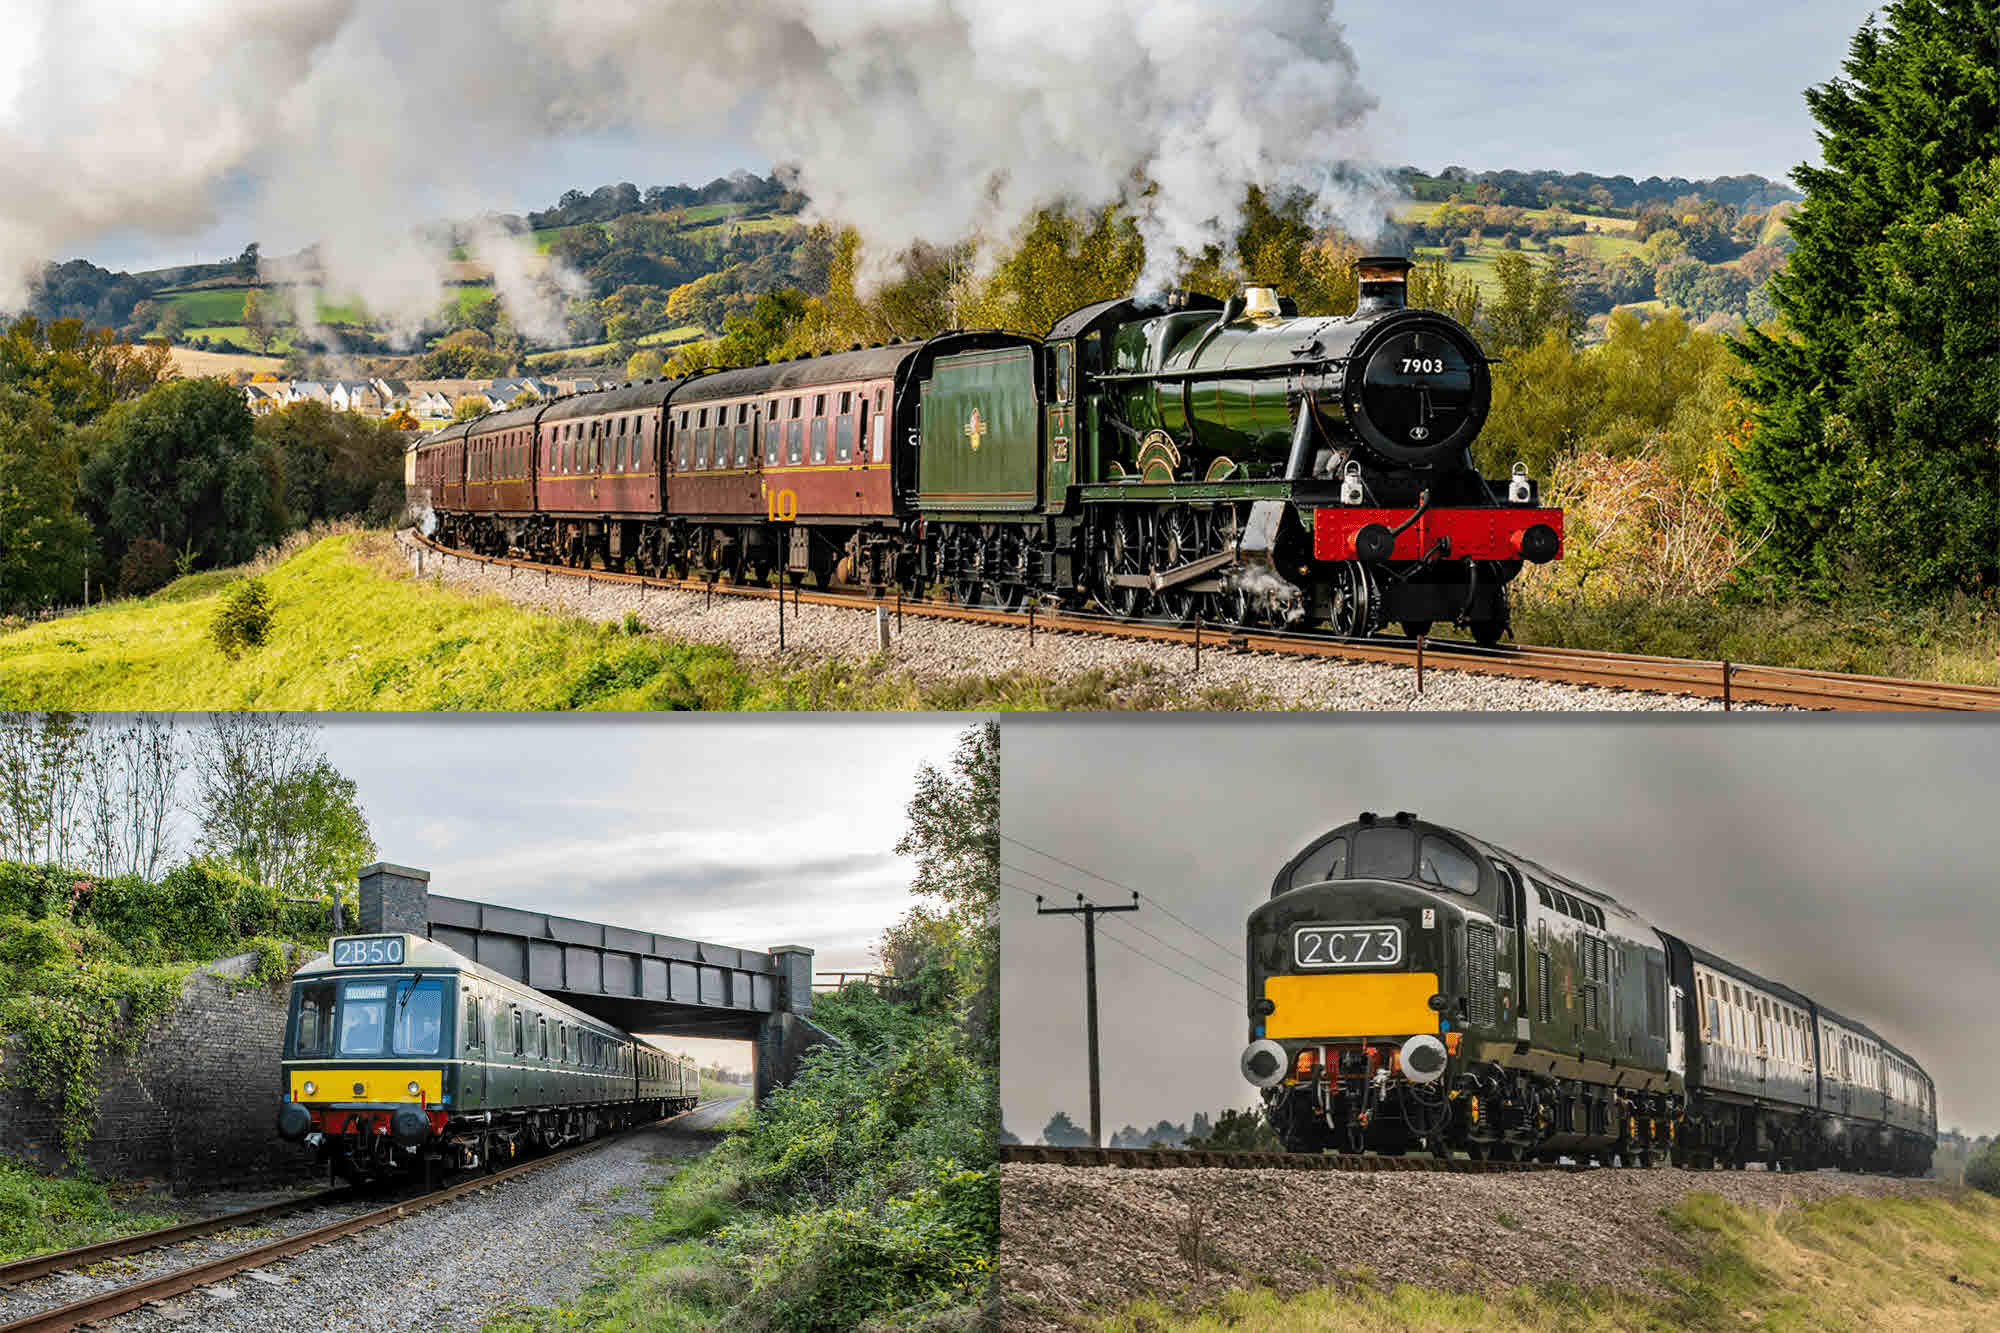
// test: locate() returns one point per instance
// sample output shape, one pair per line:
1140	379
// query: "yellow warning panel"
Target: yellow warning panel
368	1085
1351	1004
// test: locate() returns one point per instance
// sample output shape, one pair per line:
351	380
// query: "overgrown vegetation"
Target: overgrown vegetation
243	621
88	964
865	1193
1849	1263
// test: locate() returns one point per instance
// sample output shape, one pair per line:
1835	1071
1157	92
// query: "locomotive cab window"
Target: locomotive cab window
1442	864
1510	890
419	1025
1324	862
1383	853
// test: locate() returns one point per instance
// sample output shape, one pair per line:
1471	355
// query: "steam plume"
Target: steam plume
911	119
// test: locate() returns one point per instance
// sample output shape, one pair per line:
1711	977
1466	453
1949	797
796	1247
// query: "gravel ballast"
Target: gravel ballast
937	651
527	1242
1080	1239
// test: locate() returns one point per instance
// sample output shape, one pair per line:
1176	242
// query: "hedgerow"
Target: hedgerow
88	965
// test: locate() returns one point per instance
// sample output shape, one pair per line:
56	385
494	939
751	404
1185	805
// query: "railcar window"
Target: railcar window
472	1028
542	1042
1440	863
743	445
419	1026
520	1041
843	439
314	1034
819	439
1383	853
1326	861
363	1012
795	437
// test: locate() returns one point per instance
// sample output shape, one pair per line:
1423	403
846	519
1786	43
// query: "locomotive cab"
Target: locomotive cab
369	1068
1360	995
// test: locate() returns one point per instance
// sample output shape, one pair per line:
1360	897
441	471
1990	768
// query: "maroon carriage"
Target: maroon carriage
500	476
598	478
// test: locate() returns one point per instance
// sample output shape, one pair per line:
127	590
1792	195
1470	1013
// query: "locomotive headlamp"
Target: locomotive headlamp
1520	490
1350	484
415	1090
1263	1063
1422	1058
310	1087
1437	1003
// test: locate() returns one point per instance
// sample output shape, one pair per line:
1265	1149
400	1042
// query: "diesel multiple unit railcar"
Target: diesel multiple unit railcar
1414	988
1186	458
402	1054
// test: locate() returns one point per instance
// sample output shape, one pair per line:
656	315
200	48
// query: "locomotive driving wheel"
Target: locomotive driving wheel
965	558
1357	602
1180	542
1119	552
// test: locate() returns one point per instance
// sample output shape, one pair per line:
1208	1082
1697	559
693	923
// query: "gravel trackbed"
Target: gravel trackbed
1077	1240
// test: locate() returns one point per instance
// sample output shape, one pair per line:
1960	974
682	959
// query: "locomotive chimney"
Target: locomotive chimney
1384	283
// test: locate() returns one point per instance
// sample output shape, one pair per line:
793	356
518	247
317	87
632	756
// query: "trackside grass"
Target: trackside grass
1853	1263
40	1214
351	629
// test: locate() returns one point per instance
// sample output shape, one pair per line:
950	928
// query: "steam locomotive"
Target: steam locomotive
1413	988
1222	459
402	1055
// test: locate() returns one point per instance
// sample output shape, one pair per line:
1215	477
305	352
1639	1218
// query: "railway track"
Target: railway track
1162	1159
163	1286
1730	682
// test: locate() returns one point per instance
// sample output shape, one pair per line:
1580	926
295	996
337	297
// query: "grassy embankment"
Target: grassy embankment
861	1195
1958	642
353	630
1851	1263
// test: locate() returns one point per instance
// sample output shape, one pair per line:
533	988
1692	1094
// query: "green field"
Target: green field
661	338
222	307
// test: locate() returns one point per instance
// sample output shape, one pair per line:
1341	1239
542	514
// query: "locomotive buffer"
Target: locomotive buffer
1089	912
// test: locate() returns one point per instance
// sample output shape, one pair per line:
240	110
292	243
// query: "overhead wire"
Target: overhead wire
1233	950
1128	945
1132	925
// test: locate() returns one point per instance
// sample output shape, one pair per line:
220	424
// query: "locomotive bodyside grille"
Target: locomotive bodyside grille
1480	953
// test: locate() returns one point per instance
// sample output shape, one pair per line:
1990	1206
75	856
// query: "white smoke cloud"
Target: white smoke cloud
910	119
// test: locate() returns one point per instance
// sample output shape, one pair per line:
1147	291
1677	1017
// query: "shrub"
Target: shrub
1983	1171
148	566
244	618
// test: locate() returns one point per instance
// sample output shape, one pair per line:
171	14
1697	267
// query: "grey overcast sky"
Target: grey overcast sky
1857	860
747	832
1695	89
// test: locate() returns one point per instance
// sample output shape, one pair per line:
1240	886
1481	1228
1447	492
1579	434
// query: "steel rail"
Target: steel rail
1731	682
41	1265
1165	1159
122	1300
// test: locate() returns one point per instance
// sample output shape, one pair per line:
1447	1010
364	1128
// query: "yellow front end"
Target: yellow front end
1357	1005
323	1087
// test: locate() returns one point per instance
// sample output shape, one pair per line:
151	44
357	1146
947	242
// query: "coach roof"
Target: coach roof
643	395
870	363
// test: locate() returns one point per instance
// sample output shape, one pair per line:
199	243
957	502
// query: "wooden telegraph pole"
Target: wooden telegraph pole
1089	912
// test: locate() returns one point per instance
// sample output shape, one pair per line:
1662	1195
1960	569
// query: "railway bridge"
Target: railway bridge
641	980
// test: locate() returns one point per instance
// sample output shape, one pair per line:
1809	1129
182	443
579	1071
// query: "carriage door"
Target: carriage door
1676	1032
1059	393
472	1050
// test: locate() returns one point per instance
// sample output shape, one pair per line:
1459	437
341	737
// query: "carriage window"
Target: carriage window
843	438
819	439
796	404
819	404
1324	862
562	1040
846	403
771	412
701	448
520	1041
472	1028
419	1017
795	437
743	445
314	1034
1440	863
